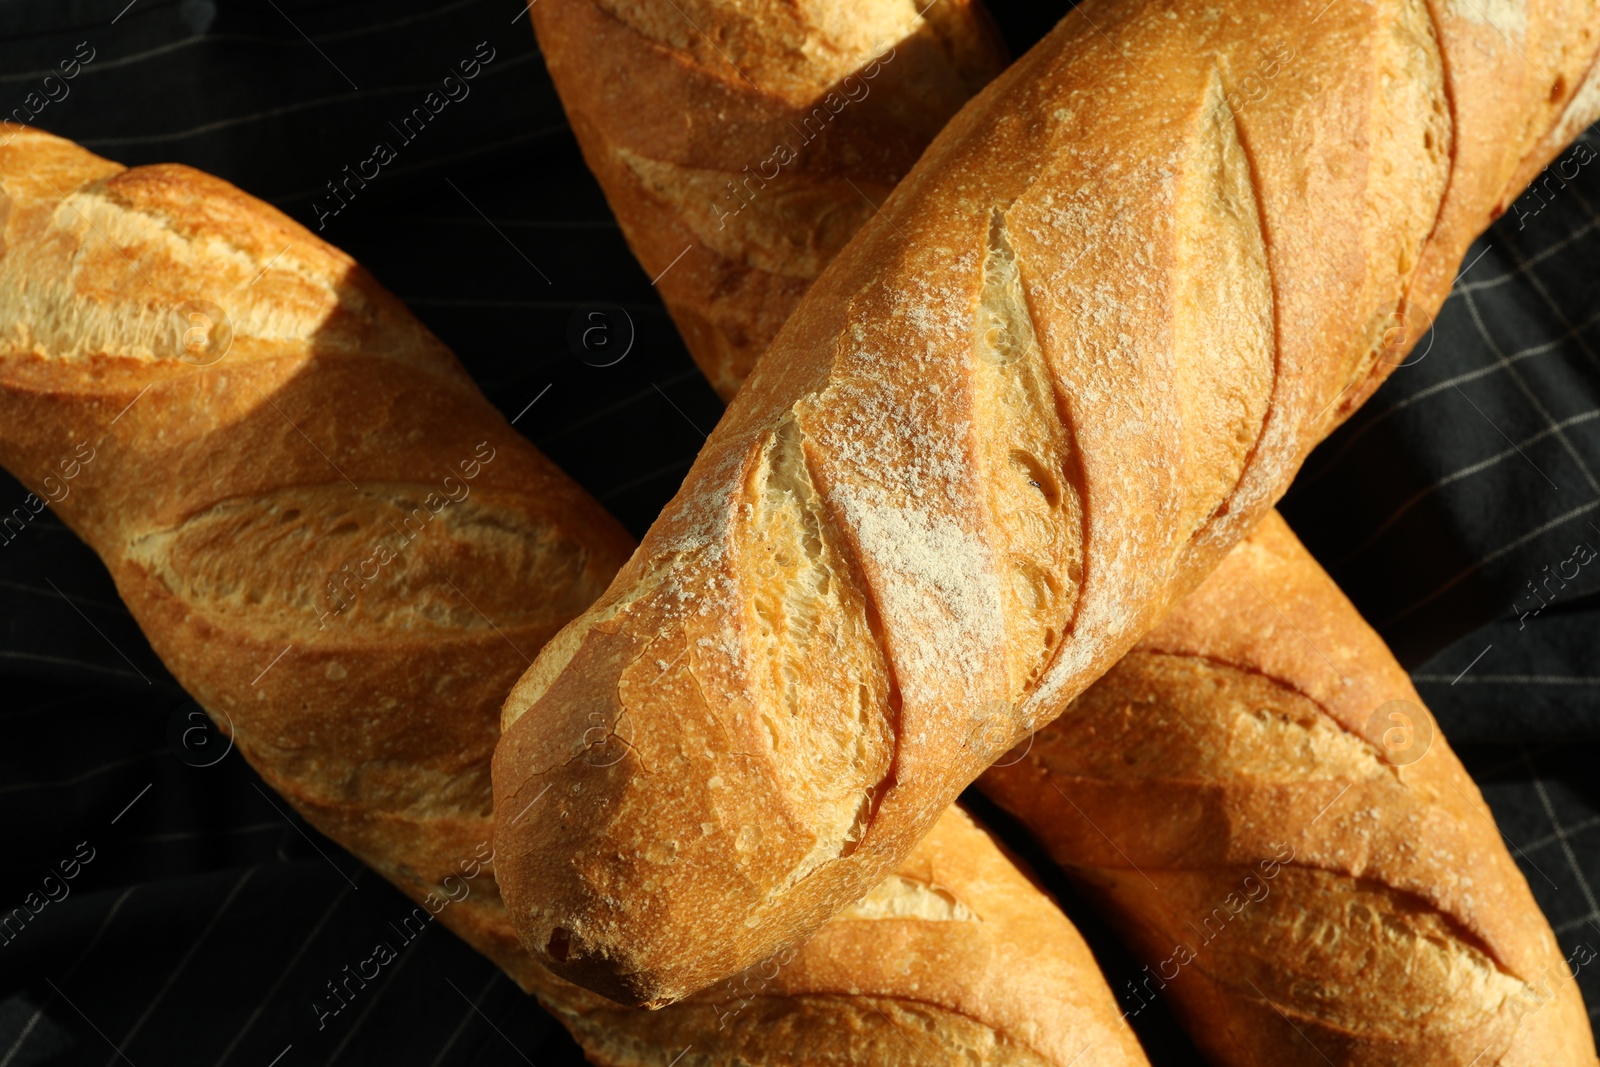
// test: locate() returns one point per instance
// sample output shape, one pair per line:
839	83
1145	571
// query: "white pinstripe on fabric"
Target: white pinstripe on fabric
84	776
473	1006
116	609
1455	476
621	405
1573	828
133	59
1461	575
1545	253
1561	836
645	479
1369	422
1530	395
182	963
201	835
47	705
288	968
489	304
1511	679
64	661
406	955
105	924
526	224
290	109
436	162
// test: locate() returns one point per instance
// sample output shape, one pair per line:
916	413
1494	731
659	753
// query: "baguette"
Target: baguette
742	144
955	958
303	499
1077	357
1106	752
1258	800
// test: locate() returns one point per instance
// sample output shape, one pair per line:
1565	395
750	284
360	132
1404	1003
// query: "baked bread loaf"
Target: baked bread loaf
742	144
303	499
1257	798
1079	354
955	958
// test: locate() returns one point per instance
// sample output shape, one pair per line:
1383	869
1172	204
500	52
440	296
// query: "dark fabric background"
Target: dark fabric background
209	917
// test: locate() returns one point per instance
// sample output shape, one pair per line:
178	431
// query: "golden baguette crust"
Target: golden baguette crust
1080	353
744	157
1302	885
957	958
225	498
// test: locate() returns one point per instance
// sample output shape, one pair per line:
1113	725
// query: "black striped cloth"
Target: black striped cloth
202	920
